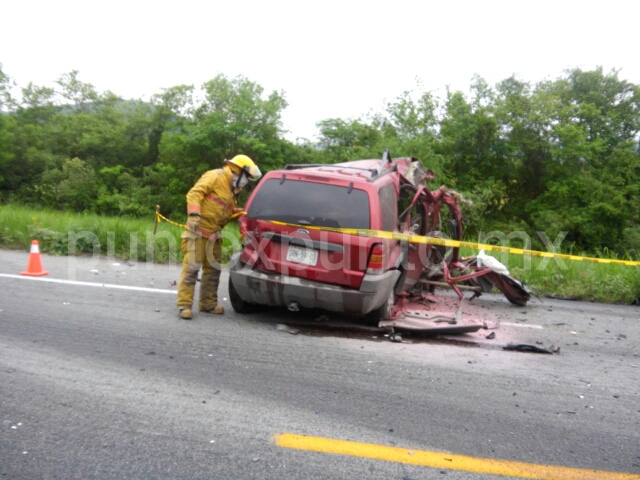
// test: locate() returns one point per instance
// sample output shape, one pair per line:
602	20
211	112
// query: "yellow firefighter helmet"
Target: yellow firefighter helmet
246	165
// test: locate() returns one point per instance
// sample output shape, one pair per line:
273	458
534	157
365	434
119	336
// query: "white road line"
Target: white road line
87	284
521	325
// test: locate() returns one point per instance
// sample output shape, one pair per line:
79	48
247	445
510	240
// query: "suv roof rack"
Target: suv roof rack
292	166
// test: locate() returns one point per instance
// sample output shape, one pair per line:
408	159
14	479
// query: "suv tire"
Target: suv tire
380	313
238	304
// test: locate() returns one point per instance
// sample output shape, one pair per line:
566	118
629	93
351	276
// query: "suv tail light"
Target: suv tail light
376	259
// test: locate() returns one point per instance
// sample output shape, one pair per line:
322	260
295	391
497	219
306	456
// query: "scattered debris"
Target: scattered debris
115	264
395	337
556	297
150	353
281	327
492	263
93	270
255	459
173	283
526	348
491	336
293	307
523	325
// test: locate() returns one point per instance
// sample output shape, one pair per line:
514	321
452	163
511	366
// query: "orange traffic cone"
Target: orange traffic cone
34	267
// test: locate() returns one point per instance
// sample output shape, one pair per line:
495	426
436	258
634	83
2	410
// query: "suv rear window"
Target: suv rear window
308	203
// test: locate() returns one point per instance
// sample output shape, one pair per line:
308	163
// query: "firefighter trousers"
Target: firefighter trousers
200	253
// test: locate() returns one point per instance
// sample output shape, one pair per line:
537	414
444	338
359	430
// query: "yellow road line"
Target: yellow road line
445	460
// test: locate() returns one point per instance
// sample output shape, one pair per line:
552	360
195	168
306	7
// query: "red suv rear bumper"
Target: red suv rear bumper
263	288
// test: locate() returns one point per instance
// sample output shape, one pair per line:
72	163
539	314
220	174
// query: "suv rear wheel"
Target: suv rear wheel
238	304
380	313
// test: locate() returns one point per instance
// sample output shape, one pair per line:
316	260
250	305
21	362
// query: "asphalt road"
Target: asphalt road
107	383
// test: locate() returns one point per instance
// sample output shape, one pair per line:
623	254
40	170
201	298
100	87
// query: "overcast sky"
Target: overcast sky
331	58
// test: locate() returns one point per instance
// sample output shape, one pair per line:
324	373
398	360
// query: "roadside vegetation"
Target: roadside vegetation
555	156
69	233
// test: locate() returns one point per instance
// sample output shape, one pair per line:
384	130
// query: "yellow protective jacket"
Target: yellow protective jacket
212	197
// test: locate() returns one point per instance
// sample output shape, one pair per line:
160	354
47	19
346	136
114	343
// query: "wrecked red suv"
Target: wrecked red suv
286	262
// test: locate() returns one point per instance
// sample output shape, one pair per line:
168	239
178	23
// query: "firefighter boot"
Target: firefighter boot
217	310
185	313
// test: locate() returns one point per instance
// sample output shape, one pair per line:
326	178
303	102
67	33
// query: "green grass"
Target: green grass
64	233
133	239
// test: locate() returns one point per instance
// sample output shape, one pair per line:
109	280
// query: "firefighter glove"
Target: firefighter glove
193	222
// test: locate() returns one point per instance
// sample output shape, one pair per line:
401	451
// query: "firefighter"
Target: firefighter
210	204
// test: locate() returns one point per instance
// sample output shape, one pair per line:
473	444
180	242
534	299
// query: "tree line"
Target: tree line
555	156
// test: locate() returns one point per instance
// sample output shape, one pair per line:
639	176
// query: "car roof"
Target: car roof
353	171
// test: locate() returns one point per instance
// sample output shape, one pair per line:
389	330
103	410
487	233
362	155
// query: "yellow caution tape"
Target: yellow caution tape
161	217
404	237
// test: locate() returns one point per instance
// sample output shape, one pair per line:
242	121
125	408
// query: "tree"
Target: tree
469	136
523	125
343	140
411	118
411	128
5	90
72	187
591	185
171	110
234	117
78	95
